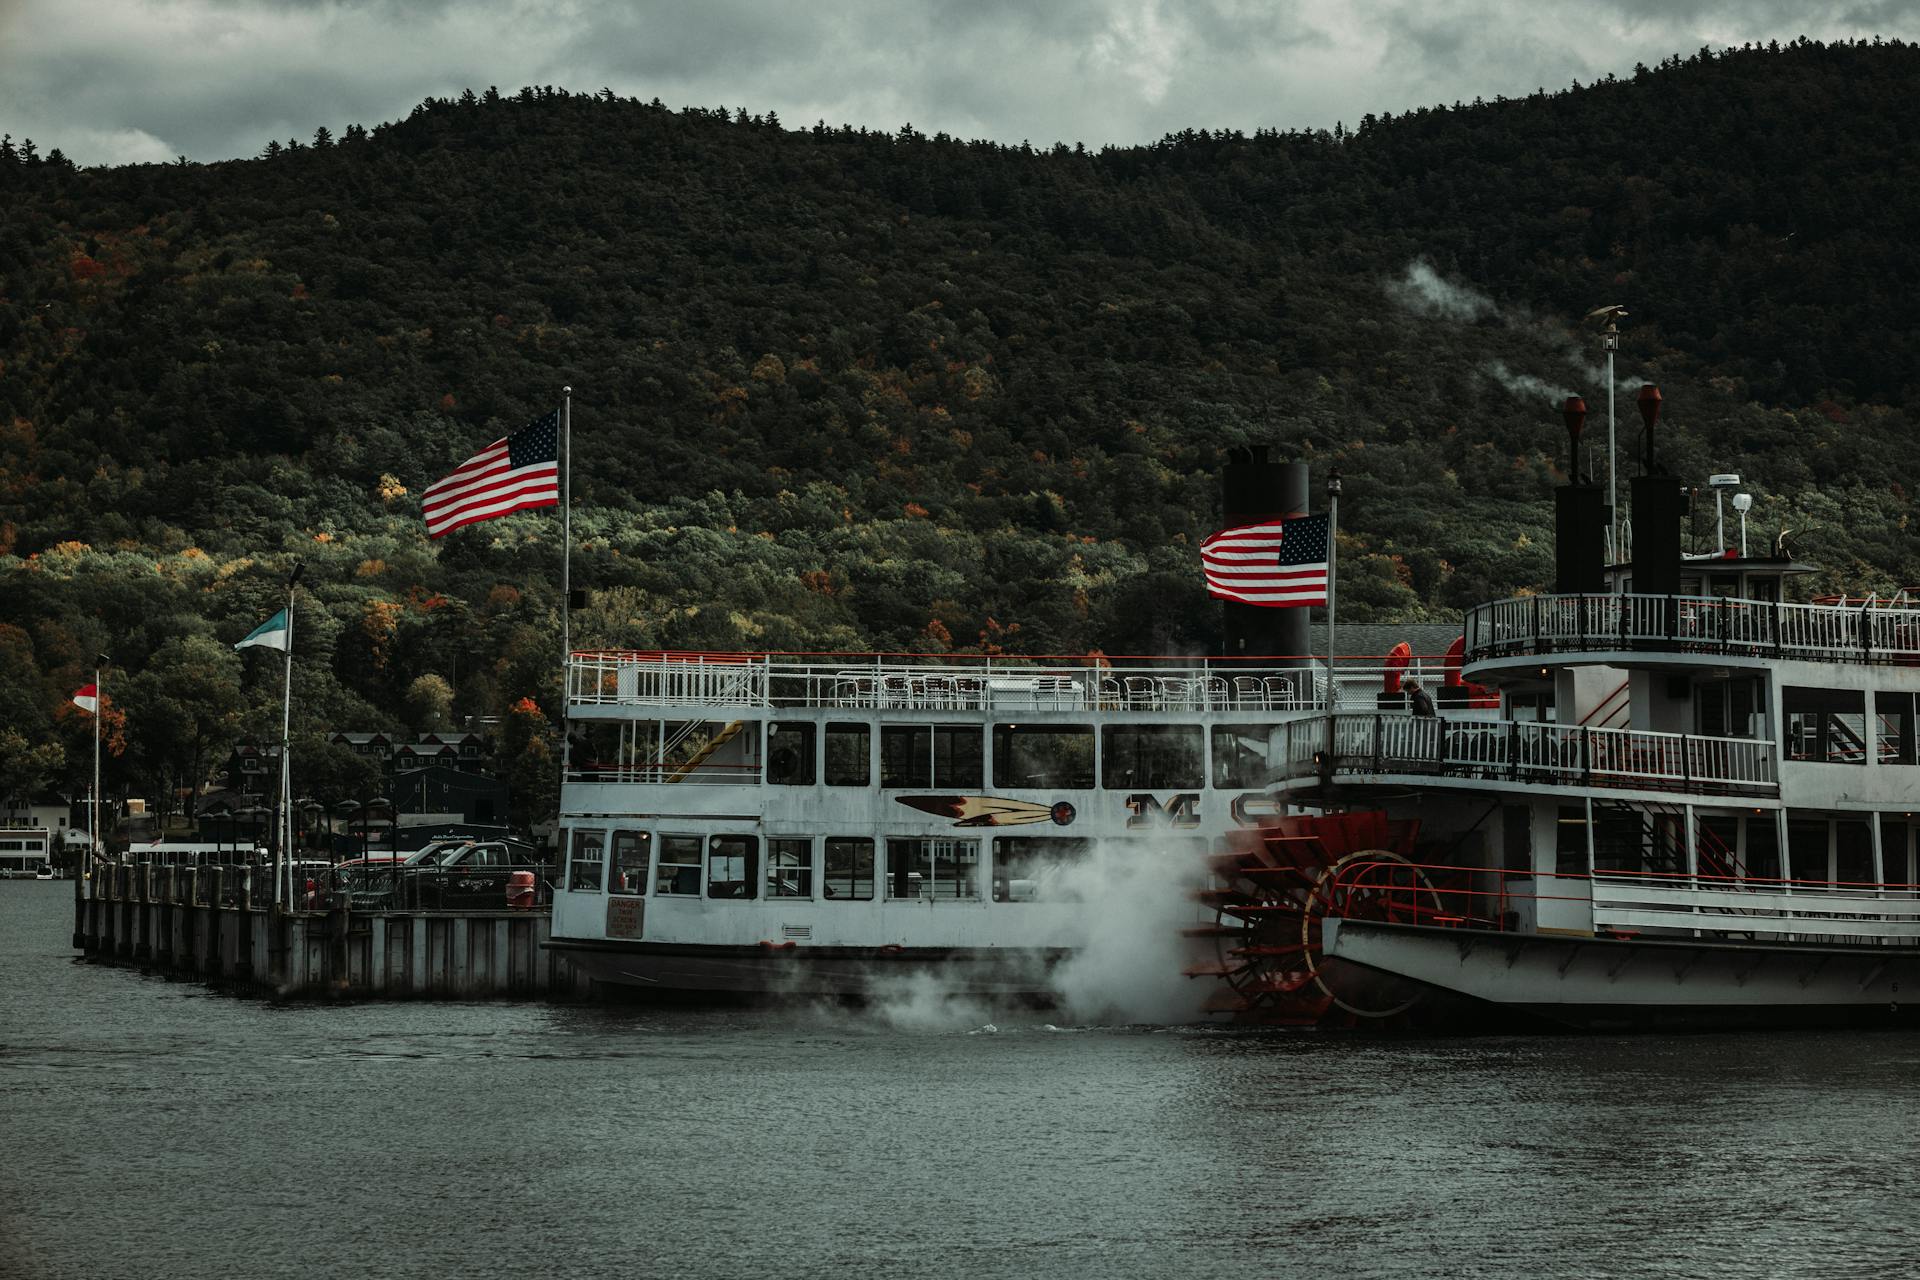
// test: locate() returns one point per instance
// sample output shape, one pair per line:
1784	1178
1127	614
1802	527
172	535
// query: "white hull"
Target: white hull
1607	983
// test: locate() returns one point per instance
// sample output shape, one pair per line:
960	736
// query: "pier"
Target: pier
218	924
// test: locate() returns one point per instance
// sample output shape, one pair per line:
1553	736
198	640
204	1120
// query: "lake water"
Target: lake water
154	1129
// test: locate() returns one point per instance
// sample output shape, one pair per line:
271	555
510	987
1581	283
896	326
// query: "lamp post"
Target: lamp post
1743	503
1609	317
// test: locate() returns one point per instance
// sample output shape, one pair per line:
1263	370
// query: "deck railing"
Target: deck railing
908	682
1625	904
1535	625
1528	752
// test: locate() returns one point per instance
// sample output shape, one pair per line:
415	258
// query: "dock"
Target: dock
218	924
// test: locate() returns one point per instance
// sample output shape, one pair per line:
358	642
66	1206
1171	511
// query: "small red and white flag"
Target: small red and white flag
87	698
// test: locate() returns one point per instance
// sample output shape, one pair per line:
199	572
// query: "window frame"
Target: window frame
642	840
775	869
807	759
664	846
575	837
748	881
844	728
1006	748
1112	759
837	844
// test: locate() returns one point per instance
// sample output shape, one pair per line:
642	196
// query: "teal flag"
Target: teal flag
271	634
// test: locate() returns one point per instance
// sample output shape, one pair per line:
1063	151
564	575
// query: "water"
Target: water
150	1128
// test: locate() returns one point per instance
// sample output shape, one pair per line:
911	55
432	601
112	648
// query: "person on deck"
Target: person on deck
1418	697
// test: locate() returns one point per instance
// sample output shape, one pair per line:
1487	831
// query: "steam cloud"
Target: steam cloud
1423	291
1130	901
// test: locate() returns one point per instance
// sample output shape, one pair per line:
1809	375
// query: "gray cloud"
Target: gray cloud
124	80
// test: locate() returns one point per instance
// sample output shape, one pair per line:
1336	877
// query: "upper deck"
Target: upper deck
1709	628
606	683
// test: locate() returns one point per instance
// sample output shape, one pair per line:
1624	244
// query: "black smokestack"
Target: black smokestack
1254	488
1579	518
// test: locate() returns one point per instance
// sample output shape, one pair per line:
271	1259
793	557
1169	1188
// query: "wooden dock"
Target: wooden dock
218	925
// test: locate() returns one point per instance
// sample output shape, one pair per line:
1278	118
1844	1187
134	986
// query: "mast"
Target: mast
566	572
1333	528
99	705
283	858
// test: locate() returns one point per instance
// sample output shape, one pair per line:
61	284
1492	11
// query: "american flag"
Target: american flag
516	473
1281	564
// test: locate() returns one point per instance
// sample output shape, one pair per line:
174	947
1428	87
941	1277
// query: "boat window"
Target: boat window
1807	850
1043	756
1724	586
849	868
1762	856
1570	844
1896	854
930	755
733	865
906	755
1853	852
1893	727
708	751
1039	868
790	754
849	755
586	859
790	867
679	869
1516	839
933	870
1152	757
959	755
1824	725
1725	708
1240	754
631	850
1719	844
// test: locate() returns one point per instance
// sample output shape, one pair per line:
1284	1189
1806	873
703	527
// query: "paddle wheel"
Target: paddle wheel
1278	882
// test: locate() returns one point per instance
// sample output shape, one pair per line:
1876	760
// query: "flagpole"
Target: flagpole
566	570
99	705
283	862
1333	533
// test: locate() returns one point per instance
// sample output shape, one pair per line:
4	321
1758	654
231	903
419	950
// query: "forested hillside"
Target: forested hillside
840	389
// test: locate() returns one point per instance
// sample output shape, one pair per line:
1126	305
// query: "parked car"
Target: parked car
472	875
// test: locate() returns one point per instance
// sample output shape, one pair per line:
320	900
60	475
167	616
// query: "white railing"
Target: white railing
1528	752
1769	910
1531	625
732	682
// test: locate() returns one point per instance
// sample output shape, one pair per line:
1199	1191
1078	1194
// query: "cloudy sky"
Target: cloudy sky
111	81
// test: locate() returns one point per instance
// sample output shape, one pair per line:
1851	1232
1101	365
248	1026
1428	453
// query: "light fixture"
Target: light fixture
1743	503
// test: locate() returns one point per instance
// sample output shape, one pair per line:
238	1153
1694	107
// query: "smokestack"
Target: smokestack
1579	518
1649	401
1253	488
1575	413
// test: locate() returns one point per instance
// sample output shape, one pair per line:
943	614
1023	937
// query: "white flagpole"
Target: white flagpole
283	863
566	570
99	705
1333	530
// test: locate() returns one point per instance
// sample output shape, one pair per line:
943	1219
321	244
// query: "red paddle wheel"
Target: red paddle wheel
1278	882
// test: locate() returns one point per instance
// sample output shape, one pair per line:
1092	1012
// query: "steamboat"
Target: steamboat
1663	794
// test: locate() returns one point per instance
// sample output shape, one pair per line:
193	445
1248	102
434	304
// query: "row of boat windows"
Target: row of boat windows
1129	757
1838	851
835	868
1831	726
